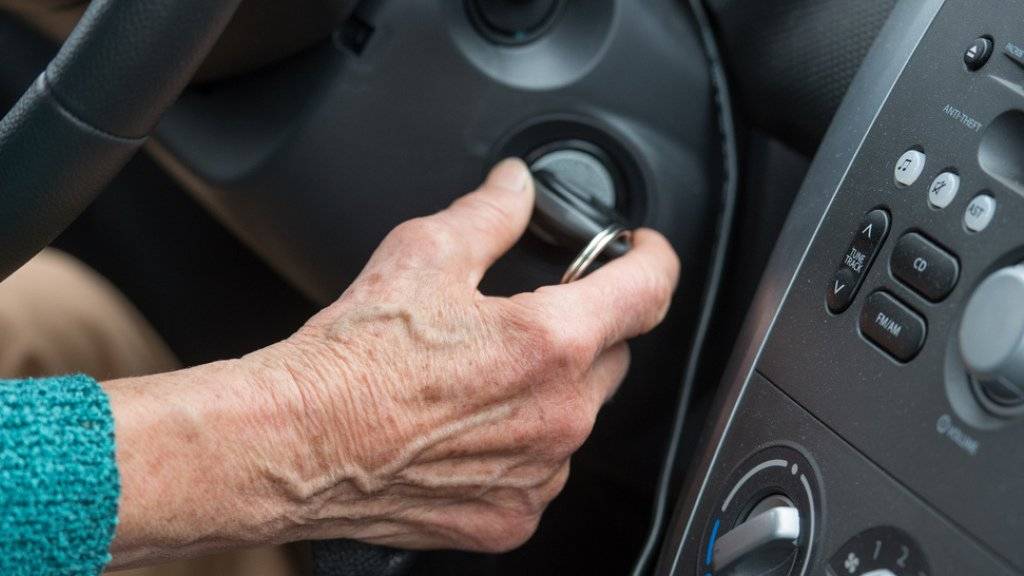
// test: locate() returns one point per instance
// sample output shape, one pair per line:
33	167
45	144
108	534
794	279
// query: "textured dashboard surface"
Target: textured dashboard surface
792	61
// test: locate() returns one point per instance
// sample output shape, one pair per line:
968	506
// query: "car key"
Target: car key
569	217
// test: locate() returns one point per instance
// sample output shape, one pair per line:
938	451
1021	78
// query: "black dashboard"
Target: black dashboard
870	422
869	419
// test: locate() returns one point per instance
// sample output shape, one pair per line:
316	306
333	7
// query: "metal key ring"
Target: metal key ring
593	250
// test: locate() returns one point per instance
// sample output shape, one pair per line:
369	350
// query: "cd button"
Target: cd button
925	267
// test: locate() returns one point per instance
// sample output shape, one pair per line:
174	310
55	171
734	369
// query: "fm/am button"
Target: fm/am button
893	326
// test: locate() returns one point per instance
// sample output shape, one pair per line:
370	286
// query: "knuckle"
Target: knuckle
549	348
421	230
522	529
553	488
423	240
407	230
566	348
569	426
517	520
513	531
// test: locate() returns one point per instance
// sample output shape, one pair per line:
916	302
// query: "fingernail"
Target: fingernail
511	174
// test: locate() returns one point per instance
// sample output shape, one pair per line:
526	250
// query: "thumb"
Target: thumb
492	218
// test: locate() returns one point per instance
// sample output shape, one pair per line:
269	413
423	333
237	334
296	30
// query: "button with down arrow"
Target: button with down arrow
857	259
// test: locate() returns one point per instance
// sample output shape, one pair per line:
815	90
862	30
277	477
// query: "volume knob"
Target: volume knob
992	337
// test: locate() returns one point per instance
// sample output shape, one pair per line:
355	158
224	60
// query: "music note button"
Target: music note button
909	167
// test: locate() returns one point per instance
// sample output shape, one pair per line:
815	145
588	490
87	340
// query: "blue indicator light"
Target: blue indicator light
711	543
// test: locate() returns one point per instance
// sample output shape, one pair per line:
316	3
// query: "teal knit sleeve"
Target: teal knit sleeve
58	477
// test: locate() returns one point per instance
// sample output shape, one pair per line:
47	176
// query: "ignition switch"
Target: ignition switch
575	208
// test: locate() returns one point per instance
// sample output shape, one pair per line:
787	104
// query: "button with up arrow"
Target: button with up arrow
978	53
871	231
855	262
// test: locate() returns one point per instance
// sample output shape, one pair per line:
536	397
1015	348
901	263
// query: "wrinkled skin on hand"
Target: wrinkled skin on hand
432	416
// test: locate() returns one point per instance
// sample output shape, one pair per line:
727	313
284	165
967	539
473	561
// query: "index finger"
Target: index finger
627	297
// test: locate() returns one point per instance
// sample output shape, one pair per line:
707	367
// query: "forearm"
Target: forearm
196	453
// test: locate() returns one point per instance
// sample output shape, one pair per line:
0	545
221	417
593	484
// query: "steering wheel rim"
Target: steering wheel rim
85	116
92	108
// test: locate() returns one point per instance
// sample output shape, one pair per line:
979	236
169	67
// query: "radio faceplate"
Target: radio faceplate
851	353
877	373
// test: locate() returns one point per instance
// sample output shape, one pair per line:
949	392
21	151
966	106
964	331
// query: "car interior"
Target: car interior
838	389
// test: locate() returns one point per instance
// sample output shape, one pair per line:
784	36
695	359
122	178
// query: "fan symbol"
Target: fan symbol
852	563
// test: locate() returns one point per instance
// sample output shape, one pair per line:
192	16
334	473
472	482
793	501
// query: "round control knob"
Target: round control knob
763	522
764	543
992	337
513	21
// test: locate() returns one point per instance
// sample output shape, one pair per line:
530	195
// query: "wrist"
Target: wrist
192	449
305	430
328	472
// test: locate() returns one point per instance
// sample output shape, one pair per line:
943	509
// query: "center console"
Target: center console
871	421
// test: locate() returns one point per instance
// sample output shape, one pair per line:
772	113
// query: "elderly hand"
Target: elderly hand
414	411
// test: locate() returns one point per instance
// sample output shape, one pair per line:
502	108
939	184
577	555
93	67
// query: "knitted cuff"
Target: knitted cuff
58	477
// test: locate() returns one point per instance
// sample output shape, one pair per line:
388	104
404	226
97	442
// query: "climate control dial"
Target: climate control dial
764	521
764	541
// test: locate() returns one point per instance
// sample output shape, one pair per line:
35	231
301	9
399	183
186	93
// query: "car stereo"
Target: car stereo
871	421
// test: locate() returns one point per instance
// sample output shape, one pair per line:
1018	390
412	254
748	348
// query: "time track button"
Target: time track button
928	269
855	262
893	326
841	291
871	232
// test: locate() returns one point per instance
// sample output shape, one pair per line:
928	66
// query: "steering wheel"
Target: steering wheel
91	109
85	116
